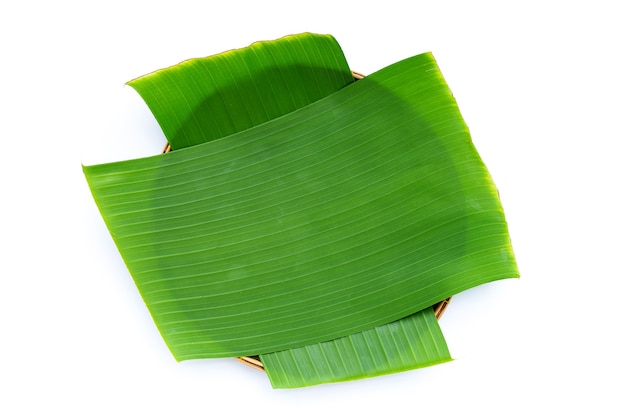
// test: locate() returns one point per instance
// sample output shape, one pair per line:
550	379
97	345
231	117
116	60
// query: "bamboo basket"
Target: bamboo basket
255	361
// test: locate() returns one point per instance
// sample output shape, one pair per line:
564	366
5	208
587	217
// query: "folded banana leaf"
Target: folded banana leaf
357	210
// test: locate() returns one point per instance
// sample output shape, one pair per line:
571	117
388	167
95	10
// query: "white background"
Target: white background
541	85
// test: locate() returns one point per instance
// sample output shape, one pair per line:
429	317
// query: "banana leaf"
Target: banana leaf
292	71
357	210
410	343
208	98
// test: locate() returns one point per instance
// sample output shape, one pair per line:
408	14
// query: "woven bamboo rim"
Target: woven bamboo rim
255	361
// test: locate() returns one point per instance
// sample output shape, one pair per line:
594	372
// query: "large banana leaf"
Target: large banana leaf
352	212
412	342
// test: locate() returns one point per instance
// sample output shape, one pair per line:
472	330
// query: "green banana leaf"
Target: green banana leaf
355	211
412	342
309	67
208	98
